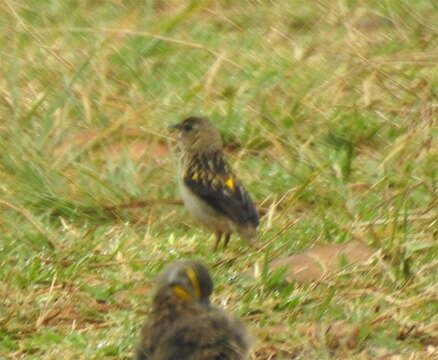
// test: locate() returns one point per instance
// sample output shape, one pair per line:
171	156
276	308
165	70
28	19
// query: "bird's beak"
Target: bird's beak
174	127
175	131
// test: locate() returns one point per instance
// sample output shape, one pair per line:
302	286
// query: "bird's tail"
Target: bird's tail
249	234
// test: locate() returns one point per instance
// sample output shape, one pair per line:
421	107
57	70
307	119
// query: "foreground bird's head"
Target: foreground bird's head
198	134
186	281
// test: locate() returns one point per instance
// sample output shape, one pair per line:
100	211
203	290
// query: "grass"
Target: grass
328	109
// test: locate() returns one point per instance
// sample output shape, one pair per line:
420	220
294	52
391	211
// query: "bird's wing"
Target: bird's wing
210	178
209	337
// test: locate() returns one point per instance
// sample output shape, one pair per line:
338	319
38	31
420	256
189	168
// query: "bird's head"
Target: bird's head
186	280
198	134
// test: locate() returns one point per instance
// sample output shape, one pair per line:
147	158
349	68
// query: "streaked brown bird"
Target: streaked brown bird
183	325
209	189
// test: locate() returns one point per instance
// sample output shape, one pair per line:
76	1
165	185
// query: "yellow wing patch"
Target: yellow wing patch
230	184
195	176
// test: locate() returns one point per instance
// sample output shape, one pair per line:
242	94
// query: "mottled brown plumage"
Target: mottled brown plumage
210	190
183	325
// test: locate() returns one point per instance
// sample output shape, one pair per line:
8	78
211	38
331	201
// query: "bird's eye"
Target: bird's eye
187	127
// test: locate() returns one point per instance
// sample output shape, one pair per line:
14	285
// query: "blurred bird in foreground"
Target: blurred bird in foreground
183	325
210	191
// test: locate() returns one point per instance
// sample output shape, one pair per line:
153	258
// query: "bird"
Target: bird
209	189
184	325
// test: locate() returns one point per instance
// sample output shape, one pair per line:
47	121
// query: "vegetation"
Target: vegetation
329	113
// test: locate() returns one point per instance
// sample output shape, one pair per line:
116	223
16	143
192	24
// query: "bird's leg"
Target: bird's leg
218	240
227	239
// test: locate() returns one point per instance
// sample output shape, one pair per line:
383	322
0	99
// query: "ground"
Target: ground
328	110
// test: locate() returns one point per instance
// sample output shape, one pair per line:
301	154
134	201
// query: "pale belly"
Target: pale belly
203	212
